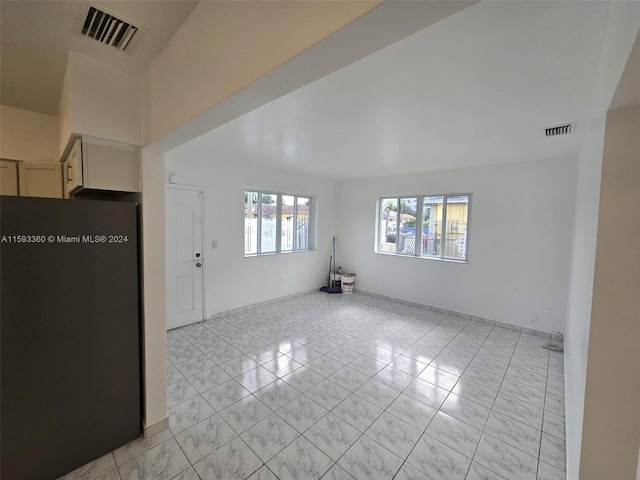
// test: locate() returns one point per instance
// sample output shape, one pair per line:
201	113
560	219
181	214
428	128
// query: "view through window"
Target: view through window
433	226
276	222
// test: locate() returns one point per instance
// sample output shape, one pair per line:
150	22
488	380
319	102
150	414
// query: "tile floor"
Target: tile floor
351	386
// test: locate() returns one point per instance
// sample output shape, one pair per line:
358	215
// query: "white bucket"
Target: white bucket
347	282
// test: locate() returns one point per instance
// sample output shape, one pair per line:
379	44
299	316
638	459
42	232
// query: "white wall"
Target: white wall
65	113
519	242
232	280
611	436
581	288
101	101
622	31
224	47
154	325
28	136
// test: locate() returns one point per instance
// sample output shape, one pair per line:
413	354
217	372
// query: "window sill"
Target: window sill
270	254
423	257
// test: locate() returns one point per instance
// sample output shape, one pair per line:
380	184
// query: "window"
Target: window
431	226
276	222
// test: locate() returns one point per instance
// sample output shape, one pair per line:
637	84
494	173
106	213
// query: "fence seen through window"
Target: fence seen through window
436	224
276	222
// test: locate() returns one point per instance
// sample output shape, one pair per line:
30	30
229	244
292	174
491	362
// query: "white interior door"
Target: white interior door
184	256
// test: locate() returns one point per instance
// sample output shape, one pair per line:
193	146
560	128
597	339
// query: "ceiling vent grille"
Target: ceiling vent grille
559	130
107	29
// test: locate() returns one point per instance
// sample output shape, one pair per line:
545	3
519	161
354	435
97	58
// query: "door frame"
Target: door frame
177	186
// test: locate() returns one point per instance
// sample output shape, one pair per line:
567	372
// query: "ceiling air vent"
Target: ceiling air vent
107	29
559	130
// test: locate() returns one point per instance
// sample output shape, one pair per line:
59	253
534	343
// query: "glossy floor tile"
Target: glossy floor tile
350	387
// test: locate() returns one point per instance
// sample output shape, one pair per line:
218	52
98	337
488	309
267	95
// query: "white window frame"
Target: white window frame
278	232
419	222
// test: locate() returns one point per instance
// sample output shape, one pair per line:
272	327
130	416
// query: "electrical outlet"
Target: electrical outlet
214	244
548	310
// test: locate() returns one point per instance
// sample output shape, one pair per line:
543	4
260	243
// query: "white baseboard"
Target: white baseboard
150	430
465	316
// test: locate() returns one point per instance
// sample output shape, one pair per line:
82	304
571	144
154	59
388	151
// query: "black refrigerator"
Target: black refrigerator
69	333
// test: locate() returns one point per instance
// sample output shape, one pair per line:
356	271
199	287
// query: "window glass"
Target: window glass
268	222
288	223
432	226
275	222
456	228
250	223
303	216
406	243
387	230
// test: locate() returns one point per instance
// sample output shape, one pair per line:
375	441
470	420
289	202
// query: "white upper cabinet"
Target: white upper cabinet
102	165
73	169
8	177
40	179
30	179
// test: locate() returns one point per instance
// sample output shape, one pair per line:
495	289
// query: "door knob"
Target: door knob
198	264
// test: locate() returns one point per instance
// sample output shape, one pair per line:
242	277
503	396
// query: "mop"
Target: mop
325	289
331	287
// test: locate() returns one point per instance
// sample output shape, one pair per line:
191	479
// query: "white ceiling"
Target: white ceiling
476	88
37	35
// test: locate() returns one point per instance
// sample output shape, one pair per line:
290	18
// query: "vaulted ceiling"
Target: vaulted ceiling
477	88
36	36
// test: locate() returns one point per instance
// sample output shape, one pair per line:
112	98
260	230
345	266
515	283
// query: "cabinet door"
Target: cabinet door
108	167
8	177
73	169
40	180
